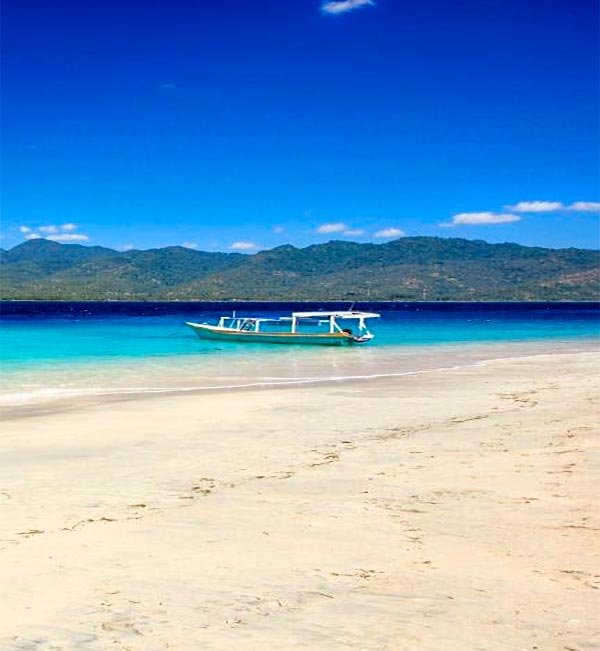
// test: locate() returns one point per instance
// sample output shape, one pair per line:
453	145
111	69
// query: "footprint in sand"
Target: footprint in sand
586	578
204	486
31	532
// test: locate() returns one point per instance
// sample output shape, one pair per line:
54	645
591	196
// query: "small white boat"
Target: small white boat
315	328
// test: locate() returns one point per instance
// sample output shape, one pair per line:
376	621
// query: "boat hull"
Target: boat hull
295	338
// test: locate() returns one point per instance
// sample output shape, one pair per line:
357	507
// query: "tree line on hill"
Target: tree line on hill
410	268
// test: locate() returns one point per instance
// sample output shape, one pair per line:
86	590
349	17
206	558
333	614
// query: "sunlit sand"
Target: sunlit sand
447	510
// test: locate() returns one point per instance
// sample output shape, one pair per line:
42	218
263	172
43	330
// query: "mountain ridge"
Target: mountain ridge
408	268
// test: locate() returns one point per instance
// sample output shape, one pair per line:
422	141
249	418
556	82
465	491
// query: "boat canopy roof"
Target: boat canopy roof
337	315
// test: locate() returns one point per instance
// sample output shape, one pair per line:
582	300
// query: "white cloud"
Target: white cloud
537	206
278	229
342	6
481	218
52	232
126	247
390	232
190	245
68	237
243	246
339	227
554	206
585	206
51	228
336	227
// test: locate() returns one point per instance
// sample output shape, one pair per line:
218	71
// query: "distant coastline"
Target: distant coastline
299	302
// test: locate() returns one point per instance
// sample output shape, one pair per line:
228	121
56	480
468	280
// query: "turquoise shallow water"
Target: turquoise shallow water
53	350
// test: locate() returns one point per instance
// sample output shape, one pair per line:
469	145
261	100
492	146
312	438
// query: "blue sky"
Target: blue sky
261	122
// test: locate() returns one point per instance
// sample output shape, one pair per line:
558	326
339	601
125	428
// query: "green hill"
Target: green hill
410	268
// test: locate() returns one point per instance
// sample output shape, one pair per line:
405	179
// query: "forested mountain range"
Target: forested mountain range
410	268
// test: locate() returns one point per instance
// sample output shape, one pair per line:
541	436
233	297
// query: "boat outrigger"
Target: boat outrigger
299	328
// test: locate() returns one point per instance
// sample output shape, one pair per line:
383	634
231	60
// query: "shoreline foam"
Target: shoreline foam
49	400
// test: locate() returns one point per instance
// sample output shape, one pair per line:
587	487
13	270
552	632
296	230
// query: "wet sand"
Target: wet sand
449	510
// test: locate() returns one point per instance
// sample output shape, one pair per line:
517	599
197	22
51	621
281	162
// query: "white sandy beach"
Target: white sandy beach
446	511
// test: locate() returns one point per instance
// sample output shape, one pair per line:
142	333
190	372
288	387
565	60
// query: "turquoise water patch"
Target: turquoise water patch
122	346
35	333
